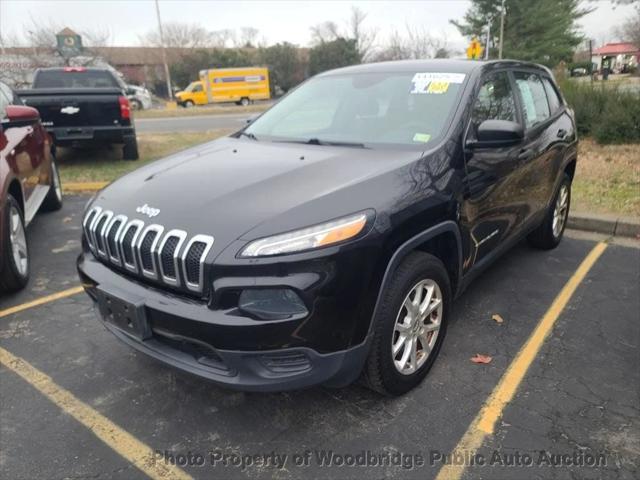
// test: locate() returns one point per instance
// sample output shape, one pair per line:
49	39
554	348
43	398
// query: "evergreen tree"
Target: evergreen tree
542	31
333	54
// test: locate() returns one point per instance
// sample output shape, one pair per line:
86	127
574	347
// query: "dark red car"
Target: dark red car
29	181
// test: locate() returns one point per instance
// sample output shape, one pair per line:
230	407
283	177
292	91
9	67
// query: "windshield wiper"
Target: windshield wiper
248	135
317	141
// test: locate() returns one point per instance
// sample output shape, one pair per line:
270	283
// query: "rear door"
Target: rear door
541	134
562	136
493	208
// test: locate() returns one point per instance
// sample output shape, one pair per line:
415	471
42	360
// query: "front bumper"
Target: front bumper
187	334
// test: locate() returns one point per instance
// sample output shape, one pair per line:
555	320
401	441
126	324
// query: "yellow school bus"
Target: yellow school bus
218	85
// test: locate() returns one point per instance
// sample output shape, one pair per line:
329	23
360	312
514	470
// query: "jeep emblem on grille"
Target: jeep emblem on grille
148	211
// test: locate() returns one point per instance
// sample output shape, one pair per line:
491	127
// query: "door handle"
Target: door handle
562	133
526	154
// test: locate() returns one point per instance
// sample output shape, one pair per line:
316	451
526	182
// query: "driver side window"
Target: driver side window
495	100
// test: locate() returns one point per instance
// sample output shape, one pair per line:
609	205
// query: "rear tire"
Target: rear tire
130	149
396	328
15	269
549	234
244	101
53	200
188	104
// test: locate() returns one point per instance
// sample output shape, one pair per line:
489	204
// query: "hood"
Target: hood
233	188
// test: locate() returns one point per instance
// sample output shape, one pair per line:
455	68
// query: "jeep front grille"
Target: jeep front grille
146	250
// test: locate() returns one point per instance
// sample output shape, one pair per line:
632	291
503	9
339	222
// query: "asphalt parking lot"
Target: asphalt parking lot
578	404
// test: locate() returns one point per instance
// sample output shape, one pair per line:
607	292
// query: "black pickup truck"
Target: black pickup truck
81	106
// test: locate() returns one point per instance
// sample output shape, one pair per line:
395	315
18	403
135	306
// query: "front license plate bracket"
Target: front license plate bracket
126	316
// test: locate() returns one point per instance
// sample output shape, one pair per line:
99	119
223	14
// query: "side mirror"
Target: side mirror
130	91
498	133
21	113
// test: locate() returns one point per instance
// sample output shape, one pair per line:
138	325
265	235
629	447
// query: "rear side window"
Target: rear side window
552	95
495	100
534	98
75	79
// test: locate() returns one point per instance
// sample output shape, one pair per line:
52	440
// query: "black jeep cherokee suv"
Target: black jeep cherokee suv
328	238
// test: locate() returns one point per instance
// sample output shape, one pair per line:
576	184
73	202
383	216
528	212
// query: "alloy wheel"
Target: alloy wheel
18	241
417	326
560	211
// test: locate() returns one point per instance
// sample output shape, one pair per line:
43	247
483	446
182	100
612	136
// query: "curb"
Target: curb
612	225
83	187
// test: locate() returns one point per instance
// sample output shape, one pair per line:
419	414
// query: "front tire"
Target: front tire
549	234
244	101
409	326
16	265
188	104
53	200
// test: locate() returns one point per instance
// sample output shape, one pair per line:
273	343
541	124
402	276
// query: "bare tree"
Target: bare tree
416	43
325	32
179	35
223	38
247	37
99	37
365	38
630	30
355	30
395	49
41	34
40	50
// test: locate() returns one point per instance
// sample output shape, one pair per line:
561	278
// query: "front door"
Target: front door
493	207
23	149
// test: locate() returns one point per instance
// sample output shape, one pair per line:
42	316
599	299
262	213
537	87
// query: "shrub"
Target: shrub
610	114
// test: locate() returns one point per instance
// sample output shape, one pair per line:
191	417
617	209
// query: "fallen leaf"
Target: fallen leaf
497	318
481	358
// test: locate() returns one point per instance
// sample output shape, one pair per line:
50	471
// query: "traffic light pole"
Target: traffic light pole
486	50
502	12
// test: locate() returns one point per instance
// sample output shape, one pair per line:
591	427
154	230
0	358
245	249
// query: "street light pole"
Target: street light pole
167	75
486	50
502	12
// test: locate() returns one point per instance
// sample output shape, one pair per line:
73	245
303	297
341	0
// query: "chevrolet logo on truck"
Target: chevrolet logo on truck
69	110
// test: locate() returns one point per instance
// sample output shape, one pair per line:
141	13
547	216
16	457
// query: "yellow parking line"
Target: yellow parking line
41	301
491	411
122	442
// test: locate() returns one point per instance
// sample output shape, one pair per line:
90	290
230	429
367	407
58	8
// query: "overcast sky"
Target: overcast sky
276	20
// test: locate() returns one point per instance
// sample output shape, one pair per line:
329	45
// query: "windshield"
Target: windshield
401	108
194	87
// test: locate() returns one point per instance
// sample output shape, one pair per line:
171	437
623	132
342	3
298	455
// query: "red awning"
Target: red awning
617	49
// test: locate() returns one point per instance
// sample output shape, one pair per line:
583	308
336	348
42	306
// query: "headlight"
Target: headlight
308	238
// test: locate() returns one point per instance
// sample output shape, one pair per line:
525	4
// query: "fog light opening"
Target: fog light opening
271	303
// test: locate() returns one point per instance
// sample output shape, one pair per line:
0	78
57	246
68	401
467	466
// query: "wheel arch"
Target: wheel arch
570	167
442	241
15	189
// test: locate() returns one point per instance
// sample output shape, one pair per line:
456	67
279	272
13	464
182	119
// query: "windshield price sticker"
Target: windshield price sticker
434	83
